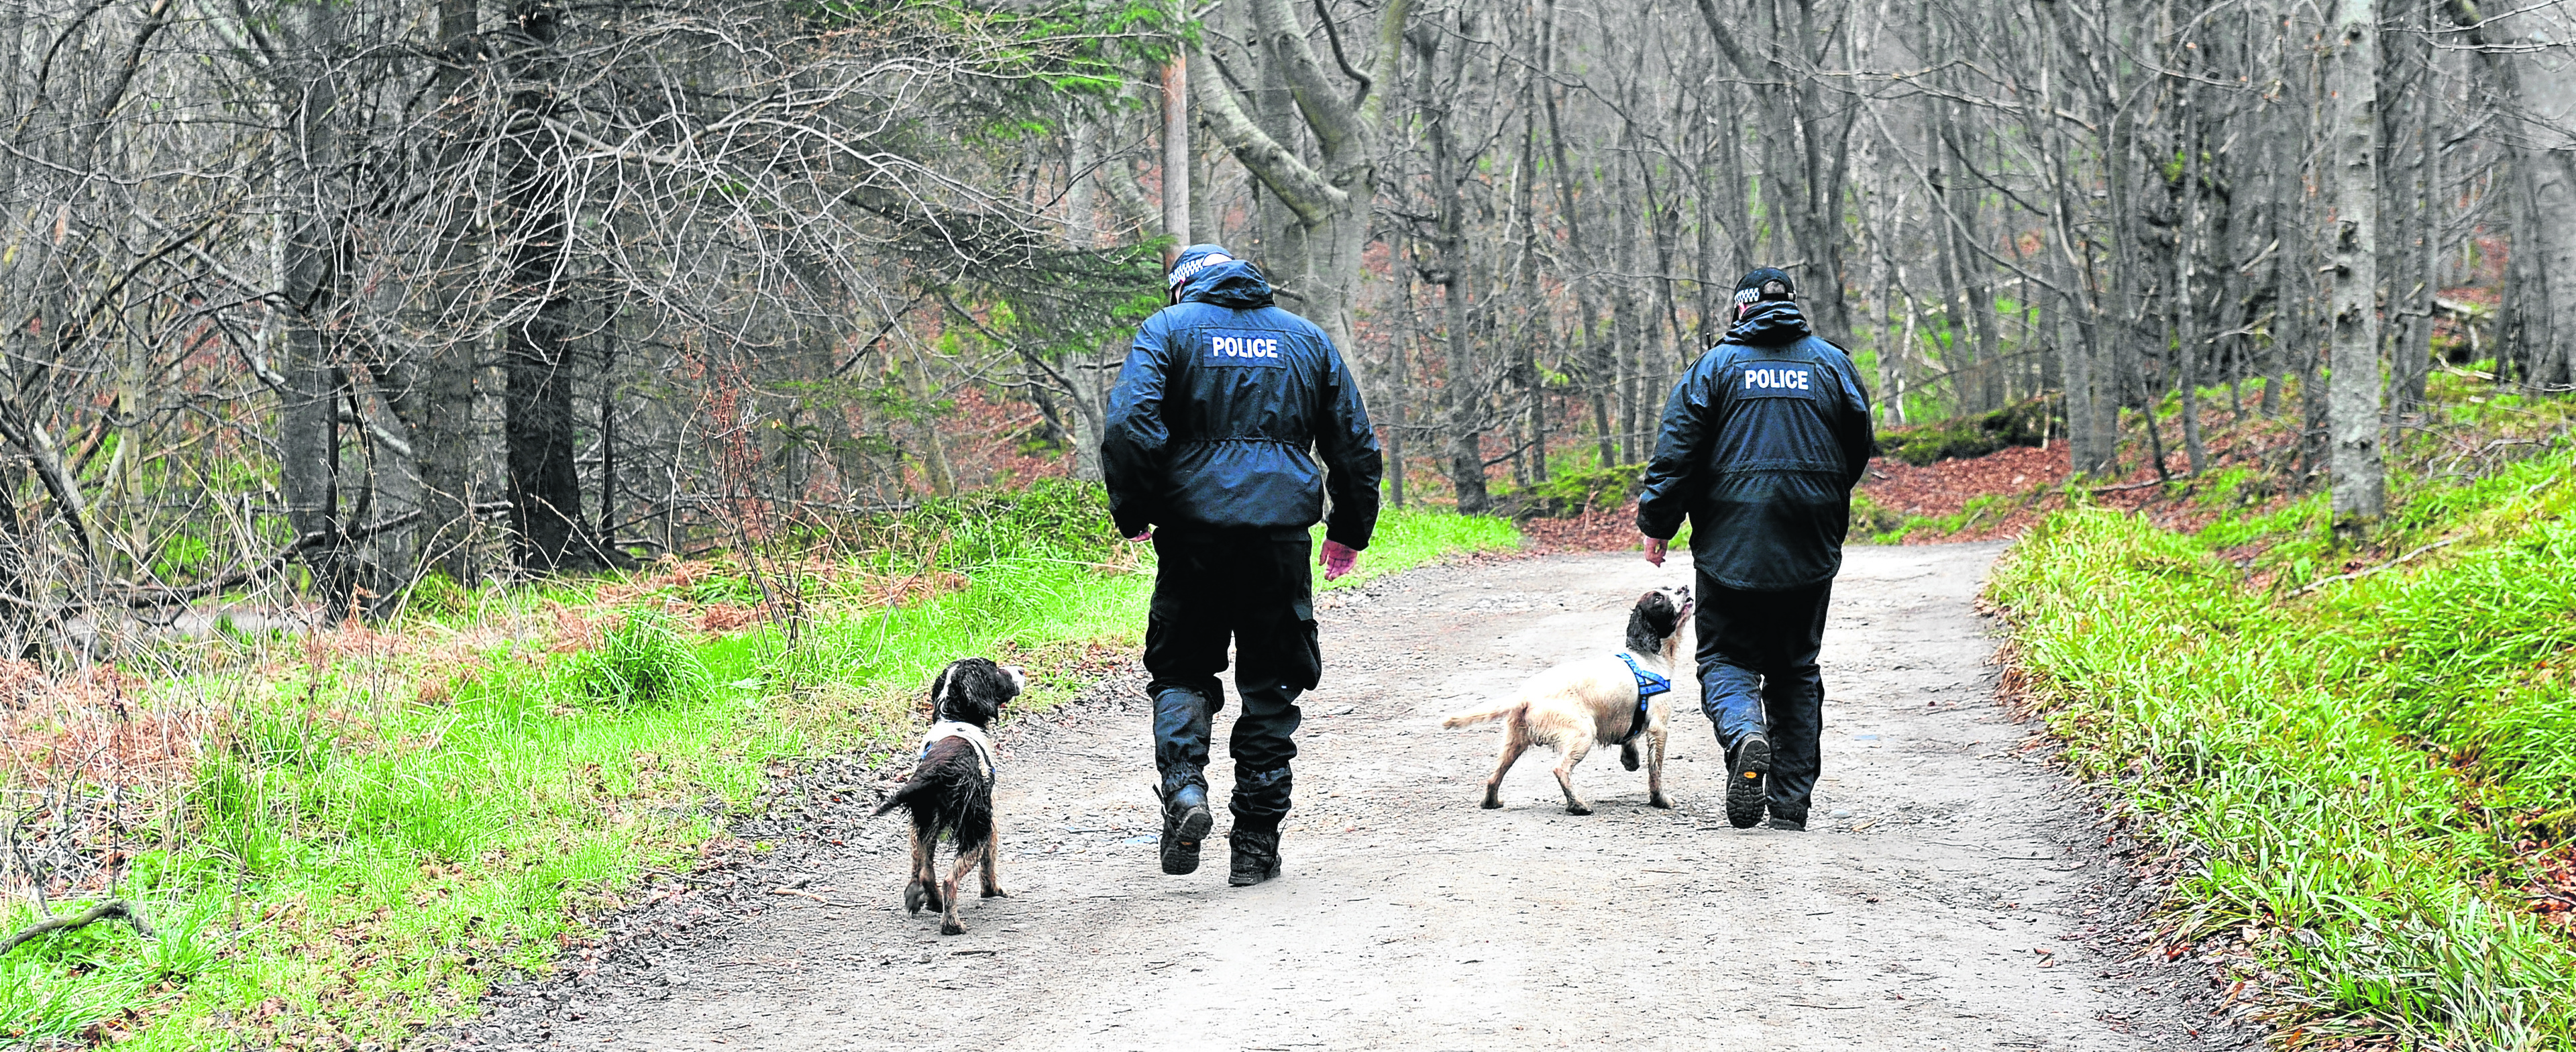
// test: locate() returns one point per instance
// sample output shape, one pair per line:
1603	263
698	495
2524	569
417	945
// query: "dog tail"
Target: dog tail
903	797
1488	714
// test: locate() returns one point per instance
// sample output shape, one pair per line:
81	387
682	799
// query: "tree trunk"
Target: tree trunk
1461	397
1082	371
2084	447
1797	121
545	492
1966	369
308	434
2187	341
1588	351
1177	156
1534	307
2536	323
445	440
1958	132
2360	493
934	454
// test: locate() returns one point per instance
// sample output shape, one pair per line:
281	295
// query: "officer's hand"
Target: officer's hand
1142	537
1338	558
1656	548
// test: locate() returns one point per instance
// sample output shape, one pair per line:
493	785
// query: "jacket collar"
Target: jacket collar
1771	324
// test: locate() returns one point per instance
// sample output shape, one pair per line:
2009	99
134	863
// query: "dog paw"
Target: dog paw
1628	758
996	893
1661	802
950	927
1577	809
1492	804
914	895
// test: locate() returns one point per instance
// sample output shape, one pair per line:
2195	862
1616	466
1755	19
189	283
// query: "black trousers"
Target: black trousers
1757	672
1254	589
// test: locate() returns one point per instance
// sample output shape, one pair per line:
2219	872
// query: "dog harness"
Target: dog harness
974	735
1648	685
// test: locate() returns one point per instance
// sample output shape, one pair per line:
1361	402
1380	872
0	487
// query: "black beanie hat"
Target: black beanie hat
1766	283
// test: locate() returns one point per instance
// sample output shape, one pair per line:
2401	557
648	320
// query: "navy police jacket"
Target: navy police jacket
1762	443
1221	399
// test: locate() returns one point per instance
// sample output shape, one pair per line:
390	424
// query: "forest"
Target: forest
319	299
357	339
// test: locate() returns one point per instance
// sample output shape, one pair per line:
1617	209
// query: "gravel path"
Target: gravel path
1963	898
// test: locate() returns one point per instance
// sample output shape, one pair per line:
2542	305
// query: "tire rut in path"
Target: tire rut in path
1945	911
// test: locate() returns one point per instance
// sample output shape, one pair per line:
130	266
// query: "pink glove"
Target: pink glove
1338	559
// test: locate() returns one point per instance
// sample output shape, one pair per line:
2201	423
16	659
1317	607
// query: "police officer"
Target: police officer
1762	443
1206	453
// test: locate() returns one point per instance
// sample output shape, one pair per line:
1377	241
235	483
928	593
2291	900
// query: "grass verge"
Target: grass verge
2369	780
366	830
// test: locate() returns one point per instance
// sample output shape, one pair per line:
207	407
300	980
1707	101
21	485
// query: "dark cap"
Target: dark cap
1767	283
1191	261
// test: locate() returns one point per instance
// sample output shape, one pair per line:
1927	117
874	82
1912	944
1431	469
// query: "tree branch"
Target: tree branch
1336	125
112	909
1390	57
1333	34
1301	188
1726	42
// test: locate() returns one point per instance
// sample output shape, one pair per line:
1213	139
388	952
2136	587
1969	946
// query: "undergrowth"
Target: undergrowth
2028	422
387	823
2369	753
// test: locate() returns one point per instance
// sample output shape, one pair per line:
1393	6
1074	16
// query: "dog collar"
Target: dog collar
975	737
1648	685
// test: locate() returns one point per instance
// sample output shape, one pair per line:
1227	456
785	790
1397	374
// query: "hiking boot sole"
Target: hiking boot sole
1181	839
1243	879
1745	793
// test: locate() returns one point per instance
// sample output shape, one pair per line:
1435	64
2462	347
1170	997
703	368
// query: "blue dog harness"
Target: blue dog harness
1648	685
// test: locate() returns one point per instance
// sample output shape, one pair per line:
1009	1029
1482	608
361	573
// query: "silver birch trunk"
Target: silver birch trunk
2353	397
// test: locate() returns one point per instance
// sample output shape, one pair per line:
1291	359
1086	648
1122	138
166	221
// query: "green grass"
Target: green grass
1411	537
2363	770
383	834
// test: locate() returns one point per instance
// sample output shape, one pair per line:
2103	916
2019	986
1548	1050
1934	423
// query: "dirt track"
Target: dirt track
1963	902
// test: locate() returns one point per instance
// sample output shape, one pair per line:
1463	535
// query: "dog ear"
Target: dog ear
1659	611
998	684
973	690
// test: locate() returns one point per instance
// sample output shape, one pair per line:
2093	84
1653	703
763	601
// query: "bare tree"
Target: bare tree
2359	493
1315	250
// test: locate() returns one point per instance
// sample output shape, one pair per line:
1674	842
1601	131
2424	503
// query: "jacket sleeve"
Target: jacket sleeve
1853	426
1689	419
1134	440
1348	445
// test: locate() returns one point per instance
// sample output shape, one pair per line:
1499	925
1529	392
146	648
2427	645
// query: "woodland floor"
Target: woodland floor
1955	892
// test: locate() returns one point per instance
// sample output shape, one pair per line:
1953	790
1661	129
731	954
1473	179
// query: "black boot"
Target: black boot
1181	719
1186	821
1745	793
1256	857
